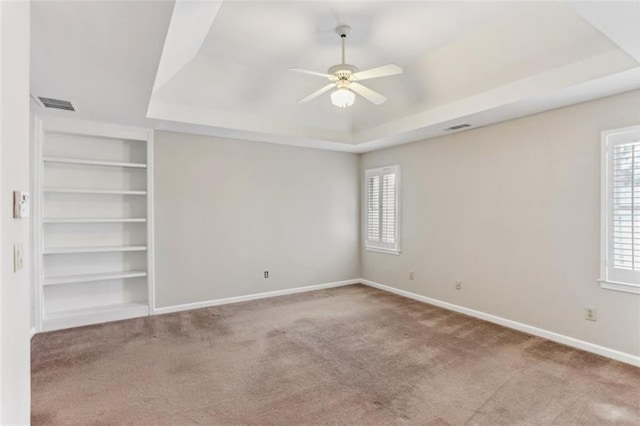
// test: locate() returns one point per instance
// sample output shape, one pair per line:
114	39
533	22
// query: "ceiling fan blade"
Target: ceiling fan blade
368	94
383	71
317	93
319	74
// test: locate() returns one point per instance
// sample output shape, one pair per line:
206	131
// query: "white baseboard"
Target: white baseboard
33	332
237	299
550	335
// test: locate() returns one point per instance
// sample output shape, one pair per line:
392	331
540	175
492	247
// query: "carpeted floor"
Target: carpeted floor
350	355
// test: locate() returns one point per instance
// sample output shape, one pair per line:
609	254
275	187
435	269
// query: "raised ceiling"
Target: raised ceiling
220	68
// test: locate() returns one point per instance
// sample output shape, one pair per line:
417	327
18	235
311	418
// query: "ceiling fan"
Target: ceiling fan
345	77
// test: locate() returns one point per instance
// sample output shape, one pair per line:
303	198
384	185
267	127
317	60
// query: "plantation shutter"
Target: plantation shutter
388	223
626	207
373	208
623	208
382	208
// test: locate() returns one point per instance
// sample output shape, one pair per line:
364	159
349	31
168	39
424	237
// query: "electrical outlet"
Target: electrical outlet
458	285
18	257
266	274
590	314
412	275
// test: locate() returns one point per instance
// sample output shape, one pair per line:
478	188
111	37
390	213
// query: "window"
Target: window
383	201
620	260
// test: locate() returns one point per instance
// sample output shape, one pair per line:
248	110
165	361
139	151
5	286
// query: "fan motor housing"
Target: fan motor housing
343	71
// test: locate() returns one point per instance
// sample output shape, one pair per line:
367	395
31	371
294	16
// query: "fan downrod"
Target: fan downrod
343	71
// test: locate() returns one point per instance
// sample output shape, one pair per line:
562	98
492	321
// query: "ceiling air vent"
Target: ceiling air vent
56	103
457	127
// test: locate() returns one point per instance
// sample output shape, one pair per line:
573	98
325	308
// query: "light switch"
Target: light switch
20	204
18	257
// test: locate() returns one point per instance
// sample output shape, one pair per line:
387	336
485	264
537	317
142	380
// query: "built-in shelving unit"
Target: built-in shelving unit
93	225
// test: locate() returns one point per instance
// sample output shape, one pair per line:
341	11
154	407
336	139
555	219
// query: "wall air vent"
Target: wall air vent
457	127
56	104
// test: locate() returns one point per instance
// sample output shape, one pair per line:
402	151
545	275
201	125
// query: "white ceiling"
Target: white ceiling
220	68
101	55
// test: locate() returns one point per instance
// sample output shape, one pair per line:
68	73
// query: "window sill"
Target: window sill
383	251
617	286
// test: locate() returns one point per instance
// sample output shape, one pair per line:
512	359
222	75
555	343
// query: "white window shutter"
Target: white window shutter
626	206
373	208
388	225
382	192
621	210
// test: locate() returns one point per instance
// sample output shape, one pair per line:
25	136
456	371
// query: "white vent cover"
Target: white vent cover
56	104
457	127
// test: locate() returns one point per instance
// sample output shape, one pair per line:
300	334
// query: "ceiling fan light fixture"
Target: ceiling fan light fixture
346	79
343	97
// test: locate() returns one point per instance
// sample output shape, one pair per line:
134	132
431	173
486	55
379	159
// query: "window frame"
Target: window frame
610	139
378	246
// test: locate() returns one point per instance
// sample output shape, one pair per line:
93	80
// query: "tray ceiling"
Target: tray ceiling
220	68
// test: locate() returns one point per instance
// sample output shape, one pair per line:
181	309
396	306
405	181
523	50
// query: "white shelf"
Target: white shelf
93	315
71	250
84	278
95	220
92	191
78	161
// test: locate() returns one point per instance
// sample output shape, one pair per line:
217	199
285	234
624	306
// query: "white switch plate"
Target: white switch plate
412	275
20	204
458	285
590	314
18	257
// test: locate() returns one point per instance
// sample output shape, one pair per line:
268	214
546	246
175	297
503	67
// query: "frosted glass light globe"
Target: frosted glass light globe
343	98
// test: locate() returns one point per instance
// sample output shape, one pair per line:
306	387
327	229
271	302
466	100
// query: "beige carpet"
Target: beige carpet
351	355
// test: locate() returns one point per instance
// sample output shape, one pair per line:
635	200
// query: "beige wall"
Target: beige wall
227	210
513	210
14	167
